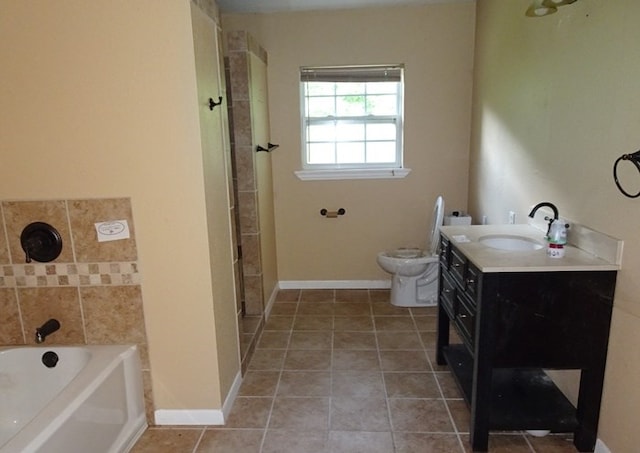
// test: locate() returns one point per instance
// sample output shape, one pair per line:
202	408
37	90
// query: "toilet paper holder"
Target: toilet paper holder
332	214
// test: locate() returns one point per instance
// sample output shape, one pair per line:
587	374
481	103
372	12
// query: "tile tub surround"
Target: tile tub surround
92	288
344	371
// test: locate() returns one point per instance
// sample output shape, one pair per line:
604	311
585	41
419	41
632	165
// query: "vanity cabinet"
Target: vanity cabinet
513	325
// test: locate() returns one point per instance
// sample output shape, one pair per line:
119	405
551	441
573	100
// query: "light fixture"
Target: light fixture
539	8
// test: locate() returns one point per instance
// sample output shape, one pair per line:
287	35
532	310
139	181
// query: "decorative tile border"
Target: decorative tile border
67	274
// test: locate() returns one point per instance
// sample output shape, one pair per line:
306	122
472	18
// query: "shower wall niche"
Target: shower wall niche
246	64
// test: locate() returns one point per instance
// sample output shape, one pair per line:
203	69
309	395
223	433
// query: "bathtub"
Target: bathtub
91	400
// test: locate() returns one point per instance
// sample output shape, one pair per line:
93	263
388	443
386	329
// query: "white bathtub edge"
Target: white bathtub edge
185	417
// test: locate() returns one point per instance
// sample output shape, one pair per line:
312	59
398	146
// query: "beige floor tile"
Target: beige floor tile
359	442
353	323
164	440
279	323
359	414
317	295
249	412
259	383
380	295
411	385
315	309
354	340
460	414
386	309
427	323
284	309
427	443
398	341
313	323
394	323
346	359
352	295
281	441
267	359
305	383
229	441
302	414
504	443
302	359
273	340
311	340
404	361
288	295
448	385
351	309
357	383
419	415
429	338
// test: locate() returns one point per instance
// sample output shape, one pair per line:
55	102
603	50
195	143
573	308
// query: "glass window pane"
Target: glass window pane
382	105
321	153
350	88
353	105
381	131
350	153
382	88
349	132
321	132
320	89
321	106
381	152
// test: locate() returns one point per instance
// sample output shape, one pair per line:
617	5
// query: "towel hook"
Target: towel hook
212	103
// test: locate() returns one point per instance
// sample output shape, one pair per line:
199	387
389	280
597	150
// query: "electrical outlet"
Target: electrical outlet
512	217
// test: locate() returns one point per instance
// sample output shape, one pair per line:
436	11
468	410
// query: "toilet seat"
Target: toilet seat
406	253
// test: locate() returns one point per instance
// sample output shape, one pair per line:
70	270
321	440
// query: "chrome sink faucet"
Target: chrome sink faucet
548	219
46	329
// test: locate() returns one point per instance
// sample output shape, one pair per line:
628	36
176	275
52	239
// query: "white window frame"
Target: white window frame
366	170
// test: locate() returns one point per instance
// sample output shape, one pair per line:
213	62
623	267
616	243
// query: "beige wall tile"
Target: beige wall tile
83	214
41	304
10	326
113	314
248	210
19	214
4	247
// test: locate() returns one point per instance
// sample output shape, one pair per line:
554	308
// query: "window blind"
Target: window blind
382	73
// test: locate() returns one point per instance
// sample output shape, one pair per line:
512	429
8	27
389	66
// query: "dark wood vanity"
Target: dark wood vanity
515	324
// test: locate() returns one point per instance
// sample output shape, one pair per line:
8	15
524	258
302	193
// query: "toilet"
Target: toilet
415	271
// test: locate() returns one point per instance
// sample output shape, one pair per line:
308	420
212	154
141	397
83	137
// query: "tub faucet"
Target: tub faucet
46	329
548	219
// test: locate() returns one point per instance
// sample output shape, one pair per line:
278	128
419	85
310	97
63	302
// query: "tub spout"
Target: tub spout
46	329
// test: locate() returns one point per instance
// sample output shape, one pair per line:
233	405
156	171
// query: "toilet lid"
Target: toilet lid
436	219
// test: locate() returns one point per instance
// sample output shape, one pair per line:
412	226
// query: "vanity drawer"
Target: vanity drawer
457	266
444	252
465	320
471	280
448	295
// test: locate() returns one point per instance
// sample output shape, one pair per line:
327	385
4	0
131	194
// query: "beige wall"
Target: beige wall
556	101
99	101
435	43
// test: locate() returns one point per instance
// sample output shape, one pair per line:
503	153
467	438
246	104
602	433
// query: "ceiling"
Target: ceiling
270	6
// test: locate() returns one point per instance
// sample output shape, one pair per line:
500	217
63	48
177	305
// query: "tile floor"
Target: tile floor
344	371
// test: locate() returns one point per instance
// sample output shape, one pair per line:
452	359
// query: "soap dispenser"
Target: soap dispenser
557	238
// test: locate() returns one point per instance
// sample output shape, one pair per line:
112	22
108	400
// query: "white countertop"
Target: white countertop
488	259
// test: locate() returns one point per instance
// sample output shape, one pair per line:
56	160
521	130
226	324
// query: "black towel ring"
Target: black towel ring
633	158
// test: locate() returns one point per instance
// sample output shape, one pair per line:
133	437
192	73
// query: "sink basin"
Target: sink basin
510	242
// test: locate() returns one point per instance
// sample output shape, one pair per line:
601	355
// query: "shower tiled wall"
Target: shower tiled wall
92	288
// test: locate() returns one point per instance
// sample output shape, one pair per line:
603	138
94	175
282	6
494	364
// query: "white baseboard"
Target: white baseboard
184	417
601	447
335	284
270	302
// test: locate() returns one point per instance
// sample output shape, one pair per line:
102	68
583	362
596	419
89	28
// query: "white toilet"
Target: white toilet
415	271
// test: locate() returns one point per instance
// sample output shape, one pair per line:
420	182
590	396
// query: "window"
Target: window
351	122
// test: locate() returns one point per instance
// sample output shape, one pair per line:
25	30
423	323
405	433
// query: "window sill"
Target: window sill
372	173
